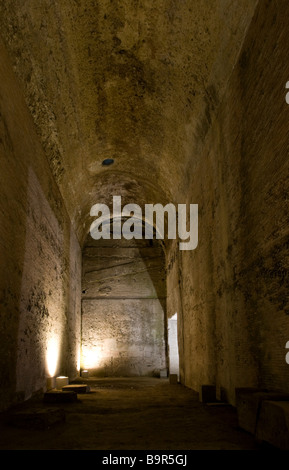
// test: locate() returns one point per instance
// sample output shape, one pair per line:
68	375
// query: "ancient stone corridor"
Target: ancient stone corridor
144	223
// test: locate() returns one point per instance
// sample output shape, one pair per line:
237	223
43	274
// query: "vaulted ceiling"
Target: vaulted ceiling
135	81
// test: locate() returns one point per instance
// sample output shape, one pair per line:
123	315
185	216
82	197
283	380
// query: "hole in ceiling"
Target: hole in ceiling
108	161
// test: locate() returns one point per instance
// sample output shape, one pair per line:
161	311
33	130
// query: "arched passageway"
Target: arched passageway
186	102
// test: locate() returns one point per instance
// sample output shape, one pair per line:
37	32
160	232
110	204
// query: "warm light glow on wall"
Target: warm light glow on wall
91	357
52	355
78	360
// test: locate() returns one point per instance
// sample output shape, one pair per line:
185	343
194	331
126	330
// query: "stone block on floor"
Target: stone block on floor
173	379
249	404
207	394
78	388
273	424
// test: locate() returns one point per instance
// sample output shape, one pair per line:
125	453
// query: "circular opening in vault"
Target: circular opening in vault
108	161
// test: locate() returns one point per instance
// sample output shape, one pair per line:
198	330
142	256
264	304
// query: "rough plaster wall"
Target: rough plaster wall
123	308
235	285
40	256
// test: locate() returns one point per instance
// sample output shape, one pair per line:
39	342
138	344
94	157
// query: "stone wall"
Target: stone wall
234	286
207	129
40	258
123	308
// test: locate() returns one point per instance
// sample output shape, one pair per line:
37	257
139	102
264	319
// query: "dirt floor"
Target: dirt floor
127	414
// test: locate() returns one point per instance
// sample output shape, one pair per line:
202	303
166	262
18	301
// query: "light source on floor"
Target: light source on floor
52	356
61	381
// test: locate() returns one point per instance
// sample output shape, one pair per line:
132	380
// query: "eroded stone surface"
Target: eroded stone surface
233	288
137	82
189	100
